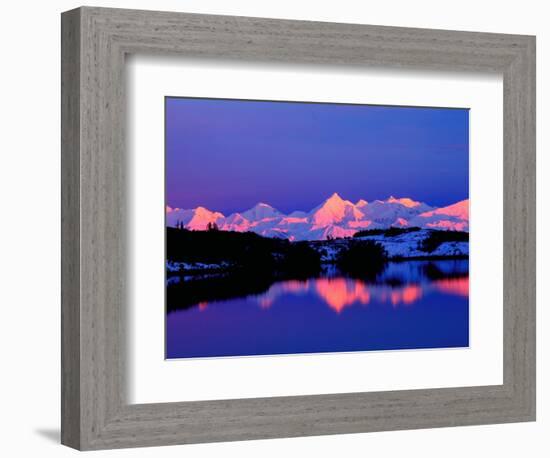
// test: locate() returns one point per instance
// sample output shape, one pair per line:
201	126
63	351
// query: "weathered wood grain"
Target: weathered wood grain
70	229
95	41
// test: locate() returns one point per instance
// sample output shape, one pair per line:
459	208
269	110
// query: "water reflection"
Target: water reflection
401	283
340	292
414	304
460	286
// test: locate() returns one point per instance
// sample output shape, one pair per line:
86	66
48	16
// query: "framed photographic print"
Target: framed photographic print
285	228
252	278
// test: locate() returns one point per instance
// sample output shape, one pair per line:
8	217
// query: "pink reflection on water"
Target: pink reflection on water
406	295
266	301
203	306
339	293
458	286
295	286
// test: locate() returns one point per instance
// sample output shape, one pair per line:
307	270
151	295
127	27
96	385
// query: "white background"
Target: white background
155	380
29	232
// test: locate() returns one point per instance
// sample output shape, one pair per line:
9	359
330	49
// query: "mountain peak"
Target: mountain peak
262	204
406	201
459	209
333	210
203	211
261	211
452	217
335	196
195	219
334	203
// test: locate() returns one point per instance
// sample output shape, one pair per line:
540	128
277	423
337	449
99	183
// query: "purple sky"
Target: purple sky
227	155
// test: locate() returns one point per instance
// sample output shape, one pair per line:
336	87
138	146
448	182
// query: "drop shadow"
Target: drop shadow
53	435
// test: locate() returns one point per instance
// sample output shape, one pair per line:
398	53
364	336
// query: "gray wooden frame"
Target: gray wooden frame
95	413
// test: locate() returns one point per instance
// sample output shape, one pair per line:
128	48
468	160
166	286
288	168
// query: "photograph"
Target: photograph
302	228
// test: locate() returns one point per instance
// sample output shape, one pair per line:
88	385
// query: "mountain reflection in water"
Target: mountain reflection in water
412	304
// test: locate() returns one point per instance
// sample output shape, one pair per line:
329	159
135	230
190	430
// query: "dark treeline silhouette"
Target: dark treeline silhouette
300	261
243	251
390	232
436	238
362	259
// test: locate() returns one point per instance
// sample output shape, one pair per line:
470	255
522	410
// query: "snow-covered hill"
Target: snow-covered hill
453	217
333	218
406	245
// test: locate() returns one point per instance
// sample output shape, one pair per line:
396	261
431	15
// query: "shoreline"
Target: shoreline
171	272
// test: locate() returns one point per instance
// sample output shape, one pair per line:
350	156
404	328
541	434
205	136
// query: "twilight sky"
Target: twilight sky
228	155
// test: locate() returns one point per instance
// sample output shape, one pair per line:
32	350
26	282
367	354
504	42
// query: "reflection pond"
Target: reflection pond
411	304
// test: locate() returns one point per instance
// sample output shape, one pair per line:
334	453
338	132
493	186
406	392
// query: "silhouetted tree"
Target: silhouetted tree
212	226
390	232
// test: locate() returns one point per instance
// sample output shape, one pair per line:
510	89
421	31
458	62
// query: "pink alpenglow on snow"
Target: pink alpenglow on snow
335	210
453	217
333	218
196	219
403	201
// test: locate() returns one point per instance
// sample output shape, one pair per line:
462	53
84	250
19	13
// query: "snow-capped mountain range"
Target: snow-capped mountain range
334	218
